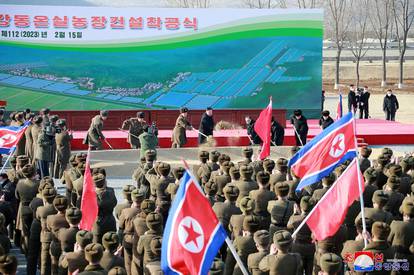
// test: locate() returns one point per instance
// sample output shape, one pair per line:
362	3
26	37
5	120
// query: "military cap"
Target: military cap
405	165
83	238
282	238
382	160
210	188
281	162
368	224
326	113
28	171
251	223
19	116
294	149
110	240
381	230
217	267
137	196
29	116
395	169
156	246
49	193
93	252
127	189
73	215
262	238
247	152
297	112
329	180
150	155
380	197
22	160
306	203
262	177
387	152
47	180
231	191
61	122
183	110
140	114
99	180
147	206
246	170
38	119
331	263
246	205
214	155
99	170
366	151
234	172
81	157
282	188
408	207
164	169
268	165
117	270
393	182
370	174
8	264
203	155
178	172
104	113
339	170
45	111
154	220
222	158
60	203
54	118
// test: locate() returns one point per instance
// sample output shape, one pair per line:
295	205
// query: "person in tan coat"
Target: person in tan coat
94	137
179	137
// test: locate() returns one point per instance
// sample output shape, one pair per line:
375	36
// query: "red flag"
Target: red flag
329	213
339	108
262	128
89	202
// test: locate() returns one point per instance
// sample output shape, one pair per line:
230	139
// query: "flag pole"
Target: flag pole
7	160
316	206
228	241
361	197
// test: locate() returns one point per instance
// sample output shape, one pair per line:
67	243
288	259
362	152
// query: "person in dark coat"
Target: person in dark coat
322	99
352	99
301	128
206	125
278	132
134	126
43	155
363	103
254	138
390	105
325	120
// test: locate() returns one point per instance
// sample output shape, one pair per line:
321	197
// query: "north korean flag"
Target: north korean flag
10	136
193	235
318	158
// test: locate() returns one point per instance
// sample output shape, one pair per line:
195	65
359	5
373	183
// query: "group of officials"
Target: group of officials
254	200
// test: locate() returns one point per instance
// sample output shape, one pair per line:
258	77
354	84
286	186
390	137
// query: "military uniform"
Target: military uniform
378	214
67	236
224	210
280	174
245	184
395	198
262	196
283	262
135	129
148	141
145	254
29	142
214	155
331	263
126	227
179	137
246	205
62	151
172	188
364	162
8	264
262	239
106	204
126	191
158	184
26	190
154	266
95	136
110	242
370	176
73	261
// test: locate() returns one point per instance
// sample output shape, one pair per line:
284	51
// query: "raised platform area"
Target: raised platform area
371	131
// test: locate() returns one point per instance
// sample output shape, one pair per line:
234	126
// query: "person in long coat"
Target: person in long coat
206	125
43	156
36	130
62	147
135	127
95	136
390	105
179	137
148	141
301	128
277	132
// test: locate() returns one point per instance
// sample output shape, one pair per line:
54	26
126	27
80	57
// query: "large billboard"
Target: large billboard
87	58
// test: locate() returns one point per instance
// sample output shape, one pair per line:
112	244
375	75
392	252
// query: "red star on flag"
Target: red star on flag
192	234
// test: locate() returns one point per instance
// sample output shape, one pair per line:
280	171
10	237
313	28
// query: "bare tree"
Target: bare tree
309	4
190	3
337	26
358	34
265	4
380	16
403	13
